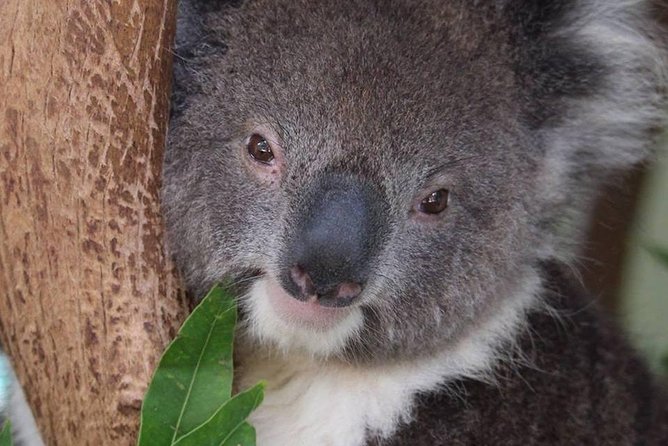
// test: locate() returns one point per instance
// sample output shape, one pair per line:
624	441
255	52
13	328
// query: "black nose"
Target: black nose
333	241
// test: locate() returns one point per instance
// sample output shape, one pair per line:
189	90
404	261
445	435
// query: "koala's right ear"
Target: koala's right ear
189	31
188	25
194	40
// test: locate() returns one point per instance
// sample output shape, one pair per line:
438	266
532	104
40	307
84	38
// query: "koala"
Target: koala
397	190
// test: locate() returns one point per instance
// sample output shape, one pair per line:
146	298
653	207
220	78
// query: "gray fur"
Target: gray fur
521	108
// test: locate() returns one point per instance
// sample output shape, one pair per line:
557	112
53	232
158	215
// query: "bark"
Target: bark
89	299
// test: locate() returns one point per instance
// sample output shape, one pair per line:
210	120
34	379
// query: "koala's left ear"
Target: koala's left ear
604	65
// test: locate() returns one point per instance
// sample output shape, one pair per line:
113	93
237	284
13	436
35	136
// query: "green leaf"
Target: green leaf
244	436
6	435
227	426
660	253
194	376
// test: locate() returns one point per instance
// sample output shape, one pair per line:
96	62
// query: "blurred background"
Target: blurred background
622	262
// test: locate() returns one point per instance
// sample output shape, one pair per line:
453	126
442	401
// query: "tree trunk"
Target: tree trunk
89	298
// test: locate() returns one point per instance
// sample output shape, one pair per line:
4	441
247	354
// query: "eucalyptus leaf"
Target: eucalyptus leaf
244	436
227	426
194	377
6	435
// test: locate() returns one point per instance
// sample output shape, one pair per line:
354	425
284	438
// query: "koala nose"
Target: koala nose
333	241
341	294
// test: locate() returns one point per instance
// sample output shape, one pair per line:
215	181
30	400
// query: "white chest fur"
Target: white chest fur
320	404
325	403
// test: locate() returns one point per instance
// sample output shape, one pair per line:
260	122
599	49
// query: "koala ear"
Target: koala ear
188	25
604	64
189	31
596	79
195	39
191	21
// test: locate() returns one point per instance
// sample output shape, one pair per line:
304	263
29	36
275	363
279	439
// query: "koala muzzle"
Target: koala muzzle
329	252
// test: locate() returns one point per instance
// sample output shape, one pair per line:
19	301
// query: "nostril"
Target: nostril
303	281
338	295
348	291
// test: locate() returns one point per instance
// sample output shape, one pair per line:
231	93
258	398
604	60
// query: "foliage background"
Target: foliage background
644	294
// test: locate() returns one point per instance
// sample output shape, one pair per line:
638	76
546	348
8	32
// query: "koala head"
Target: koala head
381	175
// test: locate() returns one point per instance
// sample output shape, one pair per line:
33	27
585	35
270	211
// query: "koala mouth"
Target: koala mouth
307	313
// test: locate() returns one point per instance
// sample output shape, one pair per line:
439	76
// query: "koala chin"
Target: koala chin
398	190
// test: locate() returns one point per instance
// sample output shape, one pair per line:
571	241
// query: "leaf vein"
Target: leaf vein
192	380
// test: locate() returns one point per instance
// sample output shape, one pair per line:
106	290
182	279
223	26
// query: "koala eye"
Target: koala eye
259	149
435	203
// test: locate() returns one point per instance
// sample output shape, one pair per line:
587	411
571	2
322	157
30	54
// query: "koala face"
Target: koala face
380	175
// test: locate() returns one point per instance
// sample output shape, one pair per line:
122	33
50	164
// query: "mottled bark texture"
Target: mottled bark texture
88	298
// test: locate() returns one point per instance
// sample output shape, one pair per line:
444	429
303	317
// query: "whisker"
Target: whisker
451	163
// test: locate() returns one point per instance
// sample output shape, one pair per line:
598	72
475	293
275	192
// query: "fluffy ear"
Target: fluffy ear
602	64
194	40
191	20
593	74
189	32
